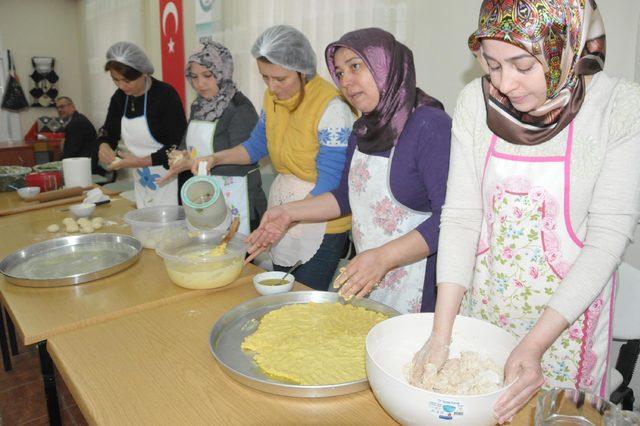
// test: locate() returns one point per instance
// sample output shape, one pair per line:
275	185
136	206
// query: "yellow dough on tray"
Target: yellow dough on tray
313	343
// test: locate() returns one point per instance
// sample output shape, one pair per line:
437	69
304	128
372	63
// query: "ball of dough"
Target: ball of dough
53	228
86	229
68	220
84	221
96	225
97	219
72	227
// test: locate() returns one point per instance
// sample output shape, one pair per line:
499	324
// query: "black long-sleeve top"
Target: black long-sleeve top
165	117
80	140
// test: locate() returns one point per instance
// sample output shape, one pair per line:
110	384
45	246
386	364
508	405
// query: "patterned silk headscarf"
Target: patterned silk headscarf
217	59
391	64
566	36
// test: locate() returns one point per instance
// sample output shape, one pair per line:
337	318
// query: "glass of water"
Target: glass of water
569	407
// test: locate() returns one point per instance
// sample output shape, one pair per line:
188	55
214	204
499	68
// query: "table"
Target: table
21	153
155	367
39	314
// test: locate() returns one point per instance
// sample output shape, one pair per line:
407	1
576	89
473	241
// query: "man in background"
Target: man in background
80	137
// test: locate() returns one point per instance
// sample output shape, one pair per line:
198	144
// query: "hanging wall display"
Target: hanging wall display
44	80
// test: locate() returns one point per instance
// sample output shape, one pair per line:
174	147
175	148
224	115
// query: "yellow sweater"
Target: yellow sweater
292	136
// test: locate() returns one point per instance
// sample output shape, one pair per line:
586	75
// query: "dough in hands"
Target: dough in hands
53	228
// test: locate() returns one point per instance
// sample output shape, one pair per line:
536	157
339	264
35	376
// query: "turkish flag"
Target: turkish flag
172	45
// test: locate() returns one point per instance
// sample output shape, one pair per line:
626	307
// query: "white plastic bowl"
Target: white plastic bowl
390	346
150	223
266	290
28	191
82	210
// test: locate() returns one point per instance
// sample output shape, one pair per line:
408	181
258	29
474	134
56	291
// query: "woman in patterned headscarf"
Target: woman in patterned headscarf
221	118
398	157
542	197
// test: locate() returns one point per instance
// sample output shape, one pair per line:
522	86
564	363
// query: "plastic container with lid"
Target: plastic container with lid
196	260
150	223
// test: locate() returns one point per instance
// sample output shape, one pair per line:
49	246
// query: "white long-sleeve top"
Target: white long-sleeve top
604	191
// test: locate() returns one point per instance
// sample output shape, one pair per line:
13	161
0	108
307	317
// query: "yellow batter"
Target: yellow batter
201	271
313	343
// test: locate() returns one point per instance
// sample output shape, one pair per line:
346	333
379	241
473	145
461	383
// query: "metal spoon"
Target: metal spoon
283	280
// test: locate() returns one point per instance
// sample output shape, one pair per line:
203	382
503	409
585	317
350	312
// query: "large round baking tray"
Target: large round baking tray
231	329
70	260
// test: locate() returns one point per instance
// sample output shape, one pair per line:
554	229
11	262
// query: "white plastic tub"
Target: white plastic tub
390	347
150	223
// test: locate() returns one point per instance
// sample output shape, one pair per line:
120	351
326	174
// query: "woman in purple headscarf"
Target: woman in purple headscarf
395	186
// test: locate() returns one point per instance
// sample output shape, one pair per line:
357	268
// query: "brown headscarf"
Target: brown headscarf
566	36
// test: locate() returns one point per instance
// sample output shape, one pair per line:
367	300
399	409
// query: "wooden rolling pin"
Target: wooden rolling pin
58	194
38	206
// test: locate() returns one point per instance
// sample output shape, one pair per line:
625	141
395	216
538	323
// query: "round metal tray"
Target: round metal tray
231	329
70	260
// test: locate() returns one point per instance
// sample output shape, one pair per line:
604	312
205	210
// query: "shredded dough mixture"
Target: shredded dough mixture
471	374
313	343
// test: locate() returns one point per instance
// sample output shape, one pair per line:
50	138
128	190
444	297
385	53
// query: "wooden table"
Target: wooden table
155	367
21	153
39	314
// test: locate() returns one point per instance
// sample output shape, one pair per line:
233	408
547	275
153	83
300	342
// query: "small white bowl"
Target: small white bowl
82	210
28	191
266	290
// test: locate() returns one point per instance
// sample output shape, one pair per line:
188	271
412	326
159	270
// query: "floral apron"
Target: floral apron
140	142
378	218
527	246
199	139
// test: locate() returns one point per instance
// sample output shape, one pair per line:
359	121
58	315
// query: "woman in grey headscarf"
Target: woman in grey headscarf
221	118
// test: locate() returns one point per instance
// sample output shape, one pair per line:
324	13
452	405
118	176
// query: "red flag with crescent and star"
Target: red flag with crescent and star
172	45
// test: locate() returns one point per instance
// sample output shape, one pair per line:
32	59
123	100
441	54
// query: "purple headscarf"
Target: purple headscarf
391	64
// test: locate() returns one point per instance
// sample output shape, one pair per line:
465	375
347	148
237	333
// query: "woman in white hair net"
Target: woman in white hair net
303	128
148	116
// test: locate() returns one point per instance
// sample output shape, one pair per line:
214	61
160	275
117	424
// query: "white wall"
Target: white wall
444	64
43	28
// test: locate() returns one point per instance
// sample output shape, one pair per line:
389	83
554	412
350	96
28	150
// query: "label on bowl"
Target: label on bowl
445	409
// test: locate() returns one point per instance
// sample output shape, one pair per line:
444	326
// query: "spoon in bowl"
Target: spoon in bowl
283	280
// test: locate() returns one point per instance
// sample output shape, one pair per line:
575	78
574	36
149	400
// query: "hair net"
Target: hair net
285	46
129	54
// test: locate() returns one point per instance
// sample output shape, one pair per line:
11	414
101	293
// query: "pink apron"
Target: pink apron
527	246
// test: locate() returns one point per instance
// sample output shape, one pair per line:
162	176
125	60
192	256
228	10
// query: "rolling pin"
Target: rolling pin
37	206
58	194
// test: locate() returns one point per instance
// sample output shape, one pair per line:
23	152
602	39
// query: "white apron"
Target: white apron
377	218
527	246
138	140
199	140
301	241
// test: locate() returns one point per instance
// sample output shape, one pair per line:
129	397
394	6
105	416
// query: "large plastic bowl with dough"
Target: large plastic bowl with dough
150	223
197	260
390	346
